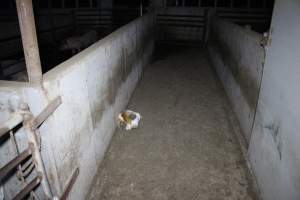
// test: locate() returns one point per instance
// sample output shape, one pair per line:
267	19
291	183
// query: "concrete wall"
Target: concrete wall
238	58
275	143
95	85
275	140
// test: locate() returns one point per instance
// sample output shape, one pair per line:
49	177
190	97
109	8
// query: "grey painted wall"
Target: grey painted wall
275	144
238	58
95	85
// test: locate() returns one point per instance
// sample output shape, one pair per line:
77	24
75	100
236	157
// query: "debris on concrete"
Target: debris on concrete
128	120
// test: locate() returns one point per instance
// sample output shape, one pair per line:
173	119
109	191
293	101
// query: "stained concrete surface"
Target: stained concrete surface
185	147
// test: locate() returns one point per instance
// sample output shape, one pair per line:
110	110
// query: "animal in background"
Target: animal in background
72	43
89	38
78	43
129	120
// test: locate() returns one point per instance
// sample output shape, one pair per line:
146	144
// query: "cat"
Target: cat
128	120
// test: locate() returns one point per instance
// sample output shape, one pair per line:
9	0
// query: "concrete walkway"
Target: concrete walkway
185	148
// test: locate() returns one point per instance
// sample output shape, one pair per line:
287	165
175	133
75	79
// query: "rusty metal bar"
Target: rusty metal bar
51	107
17	152
26	170
14	163
20	173
70	184
29	40
23	193
11	123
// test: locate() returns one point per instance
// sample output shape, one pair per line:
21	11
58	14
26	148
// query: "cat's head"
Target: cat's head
121	121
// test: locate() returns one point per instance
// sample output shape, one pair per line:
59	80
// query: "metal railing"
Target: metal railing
30	125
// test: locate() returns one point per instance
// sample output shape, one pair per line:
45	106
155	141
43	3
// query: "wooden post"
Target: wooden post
29	40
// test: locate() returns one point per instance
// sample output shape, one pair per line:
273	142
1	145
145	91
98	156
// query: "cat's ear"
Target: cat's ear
120	117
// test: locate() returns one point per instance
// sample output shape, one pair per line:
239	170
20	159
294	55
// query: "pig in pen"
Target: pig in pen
77	43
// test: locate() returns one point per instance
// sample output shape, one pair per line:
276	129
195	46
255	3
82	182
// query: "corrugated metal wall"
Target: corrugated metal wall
183	24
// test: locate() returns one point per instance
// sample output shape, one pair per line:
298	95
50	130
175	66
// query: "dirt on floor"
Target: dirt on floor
185	148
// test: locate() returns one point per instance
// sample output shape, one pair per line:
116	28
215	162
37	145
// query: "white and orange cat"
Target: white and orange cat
129	120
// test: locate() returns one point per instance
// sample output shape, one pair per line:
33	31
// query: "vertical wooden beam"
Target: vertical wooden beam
35	150
29	40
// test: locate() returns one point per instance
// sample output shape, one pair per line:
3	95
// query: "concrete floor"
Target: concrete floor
185	148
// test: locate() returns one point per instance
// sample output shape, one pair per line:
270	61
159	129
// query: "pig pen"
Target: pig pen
93	87
53	27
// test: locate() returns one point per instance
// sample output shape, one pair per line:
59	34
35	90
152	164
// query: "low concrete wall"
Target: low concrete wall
238	58
95	85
